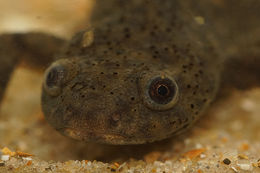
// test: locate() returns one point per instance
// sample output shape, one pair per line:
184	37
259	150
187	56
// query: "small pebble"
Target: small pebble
234	169
5	157
226	161
27	158
245	167
122	165
202	156
242	156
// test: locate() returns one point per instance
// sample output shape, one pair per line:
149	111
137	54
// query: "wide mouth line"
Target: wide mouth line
106	138
88	131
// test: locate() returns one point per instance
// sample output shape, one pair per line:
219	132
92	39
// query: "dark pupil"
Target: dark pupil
161	90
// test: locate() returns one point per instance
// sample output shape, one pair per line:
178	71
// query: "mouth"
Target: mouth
99	137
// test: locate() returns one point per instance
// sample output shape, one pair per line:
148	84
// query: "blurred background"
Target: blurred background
61	17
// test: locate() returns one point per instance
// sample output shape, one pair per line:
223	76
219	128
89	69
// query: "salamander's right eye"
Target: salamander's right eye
54	79
57	75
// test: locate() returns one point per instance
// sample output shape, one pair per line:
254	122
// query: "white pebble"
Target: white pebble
89	164
27	158
5	157
245	167
202	156
122	165
234	169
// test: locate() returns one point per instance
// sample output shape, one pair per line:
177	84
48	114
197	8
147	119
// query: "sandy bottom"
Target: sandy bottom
229	132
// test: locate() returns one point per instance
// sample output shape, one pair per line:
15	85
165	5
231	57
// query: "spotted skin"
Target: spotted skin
98	89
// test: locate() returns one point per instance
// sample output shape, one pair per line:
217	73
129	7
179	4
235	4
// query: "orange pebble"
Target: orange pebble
29	163
194	153
22	154
116	164
200	171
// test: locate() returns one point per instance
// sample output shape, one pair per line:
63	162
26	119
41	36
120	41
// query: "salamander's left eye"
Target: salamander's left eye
161	93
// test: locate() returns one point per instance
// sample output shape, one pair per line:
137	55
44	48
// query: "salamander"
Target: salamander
145	70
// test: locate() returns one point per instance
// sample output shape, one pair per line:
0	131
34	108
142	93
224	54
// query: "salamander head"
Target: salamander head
125	100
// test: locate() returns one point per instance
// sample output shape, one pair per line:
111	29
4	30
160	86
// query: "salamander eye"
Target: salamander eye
161	90
57	75
161	94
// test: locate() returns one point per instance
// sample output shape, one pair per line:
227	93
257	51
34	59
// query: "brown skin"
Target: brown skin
148	73
91	107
